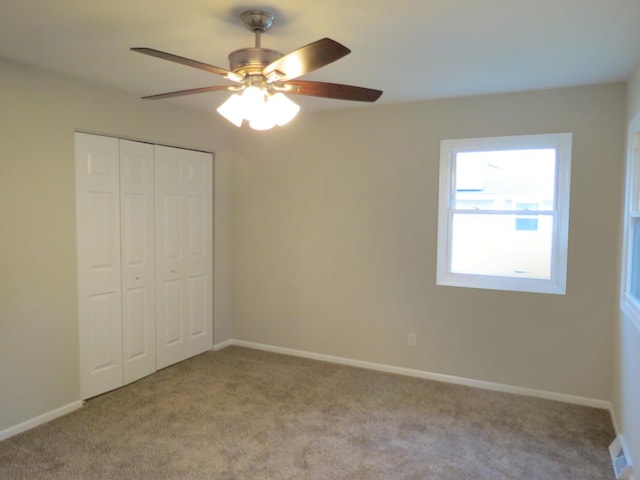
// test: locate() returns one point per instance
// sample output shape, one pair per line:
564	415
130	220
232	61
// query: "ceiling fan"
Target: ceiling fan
263	76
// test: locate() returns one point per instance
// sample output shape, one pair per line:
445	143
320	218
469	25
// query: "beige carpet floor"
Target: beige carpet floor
244	414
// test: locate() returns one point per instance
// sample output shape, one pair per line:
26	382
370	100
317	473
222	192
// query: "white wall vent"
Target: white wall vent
619	459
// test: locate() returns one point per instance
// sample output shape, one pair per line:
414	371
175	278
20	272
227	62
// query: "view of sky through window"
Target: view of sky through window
500	242
500	180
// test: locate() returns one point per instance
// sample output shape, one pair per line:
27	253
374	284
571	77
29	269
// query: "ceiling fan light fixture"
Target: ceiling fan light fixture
261	109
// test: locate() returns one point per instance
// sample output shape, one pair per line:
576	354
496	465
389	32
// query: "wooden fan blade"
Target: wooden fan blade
305	59
191	91
332	90
234	77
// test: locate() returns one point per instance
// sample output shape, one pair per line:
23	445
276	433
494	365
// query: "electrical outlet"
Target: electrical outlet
411	341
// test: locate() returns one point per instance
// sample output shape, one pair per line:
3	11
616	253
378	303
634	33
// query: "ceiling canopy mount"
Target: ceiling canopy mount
257	20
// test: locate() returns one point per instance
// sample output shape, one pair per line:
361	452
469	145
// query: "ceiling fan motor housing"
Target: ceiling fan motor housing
251	61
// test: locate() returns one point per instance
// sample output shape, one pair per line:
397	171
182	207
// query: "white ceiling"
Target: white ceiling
411	49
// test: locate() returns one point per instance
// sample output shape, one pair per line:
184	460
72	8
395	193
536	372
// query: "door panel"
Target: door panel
172	313
98	249
105	347
184	253
101	216
137	337
198	305
138	258
133	210
172	227
197	238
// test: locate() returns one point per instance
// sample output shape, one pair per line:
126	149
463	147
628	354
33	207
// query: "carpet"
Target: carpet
246	414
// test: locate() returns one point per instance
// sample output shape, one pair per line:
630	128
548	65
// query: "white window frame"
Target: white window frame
561	142
629	304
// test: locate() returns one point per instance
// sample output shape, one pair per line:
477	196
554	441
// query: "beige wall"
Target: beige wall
626	366
38	318
633	95
335	224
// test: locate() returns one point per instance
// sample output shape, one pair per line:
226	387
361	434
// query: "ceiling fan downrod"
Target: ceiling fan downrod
250	62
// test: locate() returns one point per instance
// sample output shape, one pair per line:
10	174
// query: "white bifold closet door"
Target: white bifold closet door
144	230
137	237
183	253
99	273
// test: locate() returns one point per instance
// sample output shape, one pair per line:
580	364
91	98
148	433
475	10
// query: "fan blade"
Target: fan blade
304	60
234	77
191	91
332	90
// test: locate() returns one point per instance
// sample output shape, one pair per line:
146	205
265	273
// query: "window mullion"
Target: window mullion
479	211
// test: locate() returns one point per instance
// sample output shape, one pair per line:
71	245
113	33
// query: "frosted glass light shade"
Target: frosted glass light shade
282	109
261	110
260	117
232	110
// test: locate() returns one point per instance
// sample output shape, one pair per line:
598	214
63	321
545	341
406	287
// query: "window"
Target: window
503	217
631	260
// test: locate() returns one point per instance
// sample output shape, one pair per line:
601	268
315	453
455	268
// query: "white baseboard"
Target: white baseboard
560	397
221	345
39	420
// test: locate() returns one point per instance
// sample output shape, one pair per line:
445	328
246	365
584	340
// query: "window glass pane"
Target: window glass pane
526	223
505	180
494	245
635	190
634	255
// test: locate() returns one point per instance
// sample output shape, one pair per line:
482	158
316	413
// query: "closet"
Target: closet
144	243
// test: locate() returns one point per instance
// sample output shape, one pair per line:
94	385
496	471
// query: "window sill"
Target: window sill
512	284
